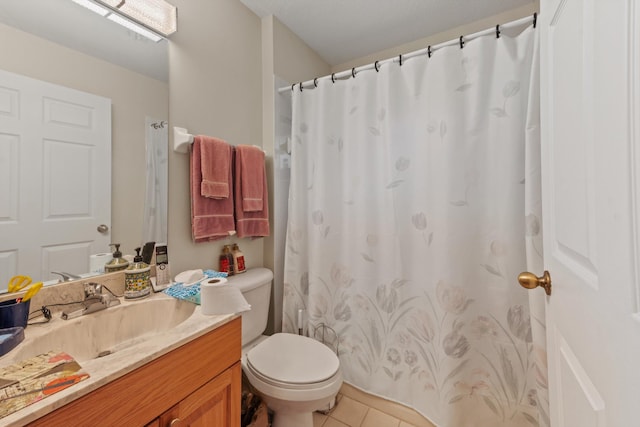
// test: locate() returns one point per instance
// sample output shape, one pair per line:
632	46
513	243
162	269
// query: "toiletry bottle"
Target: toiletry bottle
137	278
238	260
224	260
117	263
227	252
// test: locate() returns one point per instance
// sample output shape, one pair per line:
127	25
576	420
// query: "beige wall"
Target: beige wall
215	84
287	57
294	61
133	97
454	33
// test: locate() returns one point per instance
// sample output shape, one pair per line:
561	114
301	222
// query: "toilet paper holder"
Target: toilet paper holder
327	336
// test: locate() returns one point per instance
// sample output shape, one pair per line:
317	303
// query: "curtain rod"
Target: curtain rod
347	74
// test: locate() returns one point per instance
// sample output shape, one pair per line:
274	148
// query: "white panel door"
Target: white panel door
588	74
55	170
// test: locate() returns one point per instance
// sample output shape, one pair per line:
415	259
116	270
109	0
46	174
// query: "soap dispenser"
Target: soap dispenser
137	278
117	263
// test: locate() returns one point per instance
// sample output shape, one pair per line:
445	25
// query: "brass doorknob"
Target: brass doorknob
530	281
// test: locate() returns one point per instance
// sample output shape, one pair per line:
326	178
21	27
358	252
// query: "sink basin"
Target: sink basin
105	332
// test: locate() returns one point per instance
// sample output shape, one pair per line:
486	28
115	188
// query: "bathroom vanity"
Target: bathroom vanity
200	380
188	374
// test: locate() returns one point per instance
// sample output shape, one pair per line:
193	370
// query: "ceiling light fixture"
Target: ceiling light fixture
154	19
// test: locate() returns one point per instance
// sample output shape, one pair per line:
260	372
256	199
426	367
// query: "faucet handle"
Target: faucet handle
65	277
92	289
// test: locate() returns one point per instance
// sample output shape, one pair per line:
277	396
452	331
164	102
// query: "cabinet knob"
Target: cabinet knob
176	422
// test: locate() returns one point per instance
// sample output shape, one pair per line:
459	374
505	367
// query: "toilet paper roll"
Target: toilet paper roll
97	262
219	297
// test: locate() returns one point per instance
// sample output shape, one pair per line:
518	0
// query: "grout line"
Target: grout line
397	410
365	415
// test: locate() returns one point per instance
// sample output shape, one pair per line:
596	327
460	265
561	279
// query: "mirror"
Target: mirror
60	42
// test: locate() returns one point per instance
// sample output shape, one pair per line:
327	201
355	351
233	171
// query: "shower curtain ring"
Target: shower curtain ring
498	31
376	66
400	56
429	51
315	82
353	72
293	87
461	42
535	19
333	77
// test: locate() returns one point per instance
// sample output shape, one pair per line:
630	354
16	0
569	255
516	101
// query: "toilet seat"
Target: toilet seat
293	362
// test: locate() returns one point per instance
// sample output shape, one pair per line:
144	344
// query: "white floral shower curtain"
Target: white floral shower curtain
157	180
407	229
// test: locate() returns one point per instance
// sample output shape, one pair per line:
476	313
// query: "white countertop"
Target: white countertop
105	369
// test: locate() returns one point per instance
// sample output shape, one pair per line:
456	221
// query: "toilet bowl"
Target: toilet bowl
295	375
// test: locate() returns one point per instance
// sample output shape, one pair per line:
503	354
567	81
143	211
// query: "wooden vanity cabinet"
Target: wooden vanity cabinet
197	384
210	405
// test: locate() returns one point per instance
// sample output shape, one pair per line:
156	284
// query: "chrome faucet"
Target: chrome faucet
66	277
94	300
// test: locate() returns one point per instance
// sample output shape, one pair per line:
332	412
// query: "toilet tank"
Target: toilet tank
255	285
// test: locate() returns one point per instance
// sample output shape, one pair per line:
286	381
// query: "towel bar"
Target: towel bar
182	140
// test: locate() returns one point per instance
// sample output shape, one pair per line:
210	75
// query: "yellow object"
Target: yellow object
33	289
16	283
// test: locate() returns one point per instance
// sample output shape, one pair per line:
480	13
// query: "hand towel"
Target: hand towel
251	160
215	162
211	219
251	223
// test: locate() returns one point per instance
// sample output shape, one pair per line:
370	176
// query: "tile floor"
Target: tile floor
352	413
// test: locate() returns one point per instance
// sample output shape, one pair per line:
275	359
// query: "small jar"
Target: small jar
238	260
231	261
224	261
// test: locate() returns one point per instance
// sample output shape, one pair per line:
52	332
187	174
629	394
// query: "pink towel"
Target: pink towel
211	219
215	162
251	160
251	174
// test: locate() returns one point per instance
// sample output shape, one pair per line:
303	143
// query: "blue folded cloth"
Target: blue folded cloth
191	293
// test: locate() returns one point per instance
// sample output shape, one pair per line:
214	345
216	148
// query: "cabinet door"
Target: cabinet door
217	403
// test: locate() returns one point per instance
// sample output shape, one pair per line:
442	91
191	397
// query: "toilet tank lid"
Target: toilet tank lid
293	359
251	279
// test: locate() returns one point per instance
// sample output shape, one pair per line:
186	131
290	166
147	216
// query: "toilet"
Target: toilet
295	375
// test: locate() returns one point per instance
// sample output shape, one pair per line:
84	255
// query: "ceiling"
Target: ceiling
338	30
341	31
66	23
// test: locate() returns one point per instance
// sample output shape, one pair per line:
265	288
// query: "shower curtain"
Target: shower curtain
157	180
413	207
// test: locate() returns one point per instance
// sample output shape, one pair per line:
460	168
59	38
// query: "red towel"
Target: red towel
215	162
251	174
251	161
211	219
